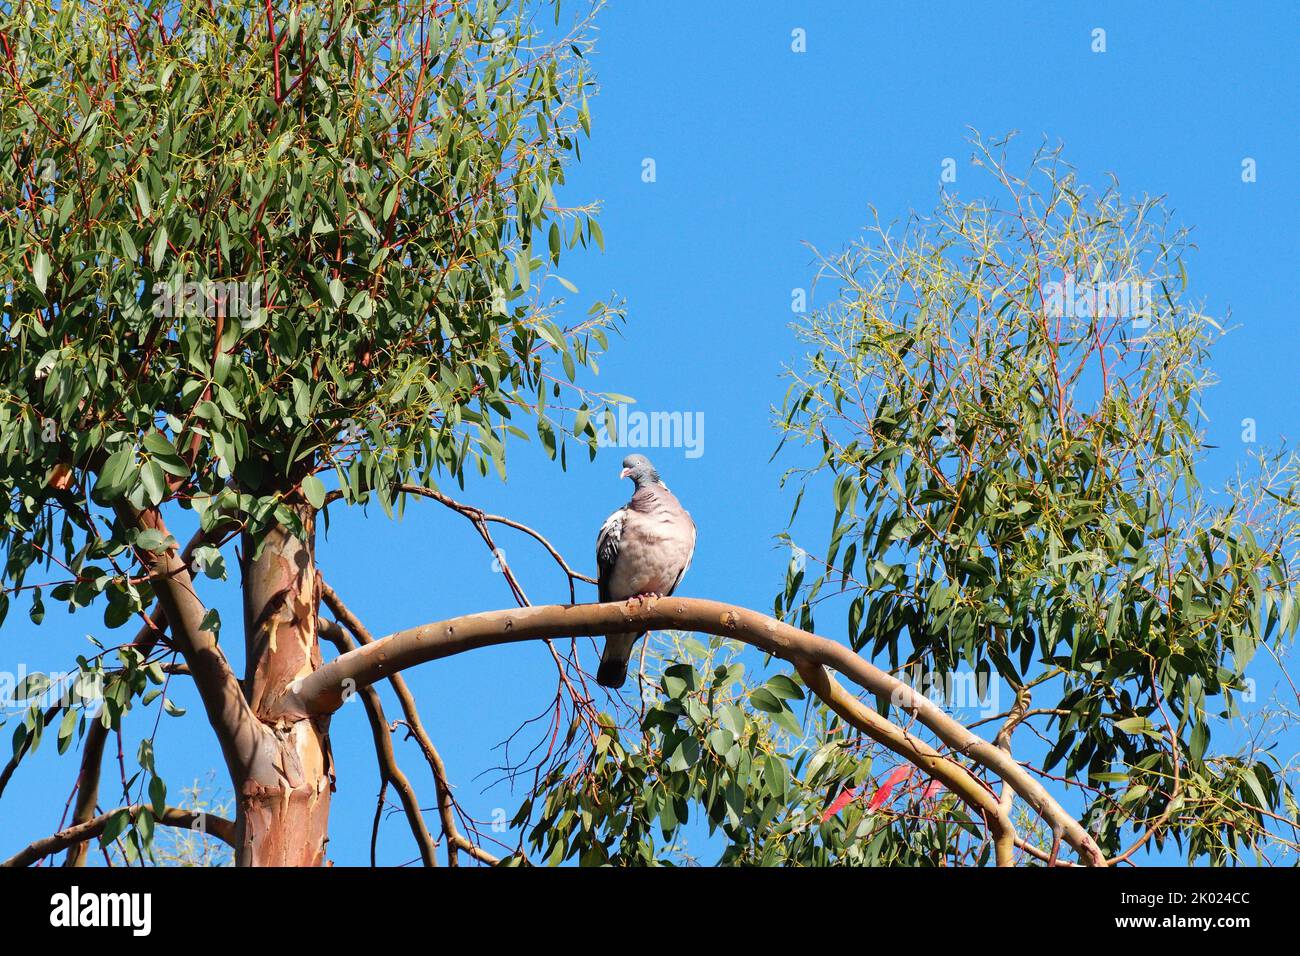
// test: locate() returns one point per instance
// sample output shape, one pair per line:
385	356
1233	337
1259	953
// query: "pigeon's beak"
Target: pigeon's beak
625	473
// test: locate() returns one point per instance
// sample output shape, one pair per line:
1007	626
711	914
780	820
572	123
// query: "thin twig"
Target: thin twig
442	787
389	771
219	827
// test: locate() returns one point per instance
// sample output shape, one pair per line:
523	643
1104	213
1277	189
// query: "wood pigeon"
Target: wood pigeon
643	549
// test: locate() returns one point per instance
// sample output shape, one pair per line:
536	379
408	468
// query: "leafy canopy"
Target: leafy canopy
242	250
1005	403
236	255
751	762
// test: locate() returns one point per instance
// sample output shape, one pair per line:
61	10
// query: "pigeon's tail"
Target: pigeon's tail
613	663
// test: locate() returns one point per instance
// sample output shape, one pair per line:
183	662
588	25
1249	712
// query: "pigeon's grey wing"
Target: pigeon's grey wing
607	542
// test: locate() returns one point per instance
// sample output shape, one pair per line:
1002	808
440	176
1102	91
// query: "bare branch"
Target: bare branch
446	809
389	771
951	774
243	738
92	759
322	691
578	693
92	750
1003	739
1040	854
12	765
478	514
219	827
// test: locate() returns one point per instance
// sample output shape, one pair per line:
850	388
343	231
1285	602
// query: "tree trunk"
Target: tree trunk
283	804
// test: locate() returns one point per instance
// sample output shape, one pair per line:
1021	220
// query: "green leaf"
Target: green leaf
157	795
66	727
115	827
522	269
115	474
41	270
1109	777
785	688
159	249
1137	725
1199	740
211	621
37	611
142	198
151	539
553	241
154	481
313	489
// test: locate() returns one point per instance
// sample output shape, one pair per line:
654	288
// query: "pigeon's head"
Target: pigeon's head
639	469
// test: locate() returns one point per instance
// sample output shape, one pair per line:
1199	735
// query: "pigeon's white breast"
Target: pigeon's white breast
652	553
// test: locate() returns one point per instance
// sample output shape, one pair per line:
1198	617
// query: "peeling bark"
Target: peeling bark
283	806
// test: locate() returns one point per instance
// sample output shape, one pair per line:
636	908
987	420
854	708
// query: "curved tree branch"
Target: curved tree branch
322	691
219	827
92	748
155	625
951	774
243	739
1015	718
1040	854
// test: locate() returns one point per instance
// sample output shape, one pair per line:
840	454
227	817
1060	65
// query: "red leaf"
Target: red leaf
880	796
839	803
934	787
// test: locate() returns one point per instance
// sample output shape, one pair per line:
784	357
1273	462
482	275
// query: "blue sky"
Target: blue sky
759	150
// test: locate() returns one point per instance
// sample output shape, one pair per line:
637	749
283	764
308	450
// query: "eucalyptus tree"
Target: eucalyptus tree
1005	402
261	263
246	248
